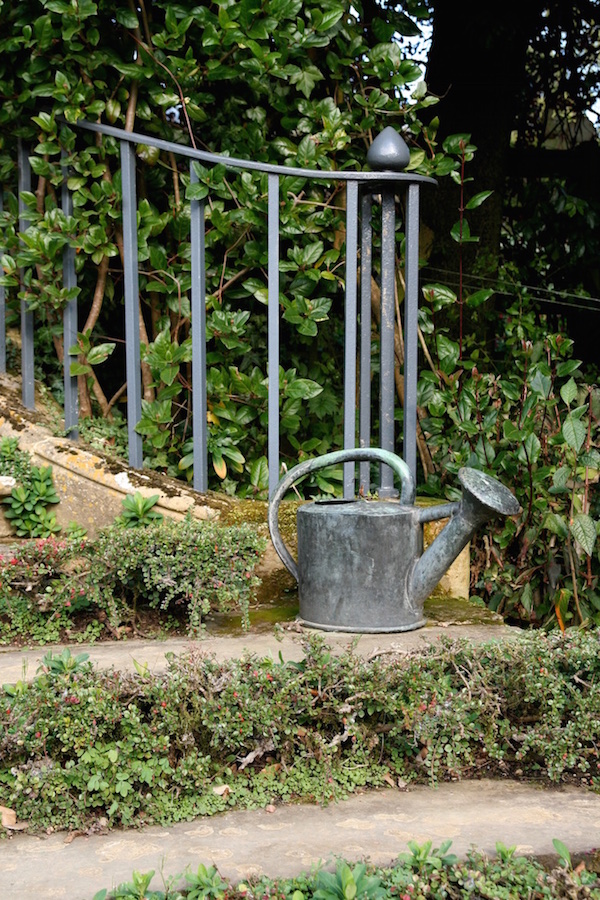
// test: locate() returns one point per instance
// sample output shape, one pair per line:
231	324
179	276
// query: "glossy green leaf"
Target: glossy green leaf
127	18
100	353
303	388
438	295
461	233
259	472
478	199
567	367
479	297
583	530
511	431
77	368
532	447
568	391
306	79
557	525
448	353
574	432
456	143
563	852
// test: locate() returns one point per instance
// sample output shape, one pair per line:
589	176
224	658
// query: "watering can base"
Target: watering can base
362	629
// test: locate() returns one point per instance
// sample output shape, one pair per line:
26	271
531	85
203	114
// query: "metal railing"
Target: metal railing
388	157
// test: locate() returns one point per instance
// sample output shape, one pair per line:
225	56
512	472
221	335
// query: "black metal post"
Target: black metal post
69	318
198	299
2	306
366	272
132	302
27	360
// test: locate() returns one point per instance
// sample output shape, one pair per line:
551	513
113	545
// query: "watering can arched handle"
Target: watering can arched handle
359	454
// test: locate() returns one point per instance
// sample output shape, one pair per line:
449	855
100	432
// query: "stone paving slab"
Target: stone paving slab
292	839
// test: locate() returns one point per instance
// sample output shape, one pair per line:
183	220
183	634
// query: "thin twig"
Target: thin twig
177	85
116	396
574	579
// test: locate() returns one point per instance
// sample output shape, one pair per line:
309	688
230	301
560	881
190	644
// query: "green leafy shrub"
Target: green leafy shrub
536	427
425	857
136	889
27	504
170	565
63	663
206	884
209	735
32	602
175	567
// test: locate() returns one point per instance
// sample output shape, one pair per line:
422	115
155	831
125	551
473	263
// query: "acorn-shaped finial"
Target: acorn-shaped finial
388	151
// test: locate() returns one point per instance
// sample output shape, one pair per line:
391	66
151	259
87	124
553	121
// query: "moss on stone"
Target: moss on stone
249	512
443	609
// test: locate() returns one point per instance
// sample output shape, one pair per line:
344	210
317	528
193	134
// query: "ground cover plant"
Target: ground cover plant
423	872
81	589
79	746
27	507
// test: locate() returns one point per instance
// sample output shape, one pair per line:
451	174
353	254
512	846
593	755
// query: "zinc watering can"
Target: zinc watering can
361	565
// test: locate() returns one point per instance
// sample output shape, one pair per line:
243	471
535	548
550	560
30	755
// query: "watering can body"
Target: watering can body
354	562
361	565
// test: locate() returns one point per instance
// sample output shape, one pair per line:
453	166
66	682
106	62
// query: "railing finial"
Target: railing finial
388	151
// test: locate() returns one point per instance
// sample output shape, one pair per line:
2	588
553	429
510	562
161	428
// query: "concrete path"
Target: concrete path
18	664
291	839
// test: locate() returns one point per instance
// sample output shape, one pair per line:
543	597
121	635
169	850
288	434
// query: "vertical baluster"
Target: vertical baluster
411	313
273	326
2	304
27	360
386	332
366	267
350	333
69	316
388	152
199	403
132	301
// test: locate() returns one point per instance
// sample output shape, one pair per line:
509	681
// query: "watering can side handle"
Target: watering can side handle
359	454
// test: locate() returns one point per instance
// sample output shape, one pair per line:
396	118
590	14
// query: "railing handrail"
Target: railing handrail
232	162
388	157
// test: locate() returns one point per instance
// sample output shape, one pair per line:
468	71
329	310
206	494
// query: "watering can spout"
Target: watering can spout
483	498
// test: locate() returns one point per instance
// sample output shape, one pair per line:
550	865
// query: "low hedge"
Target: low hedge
78	745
